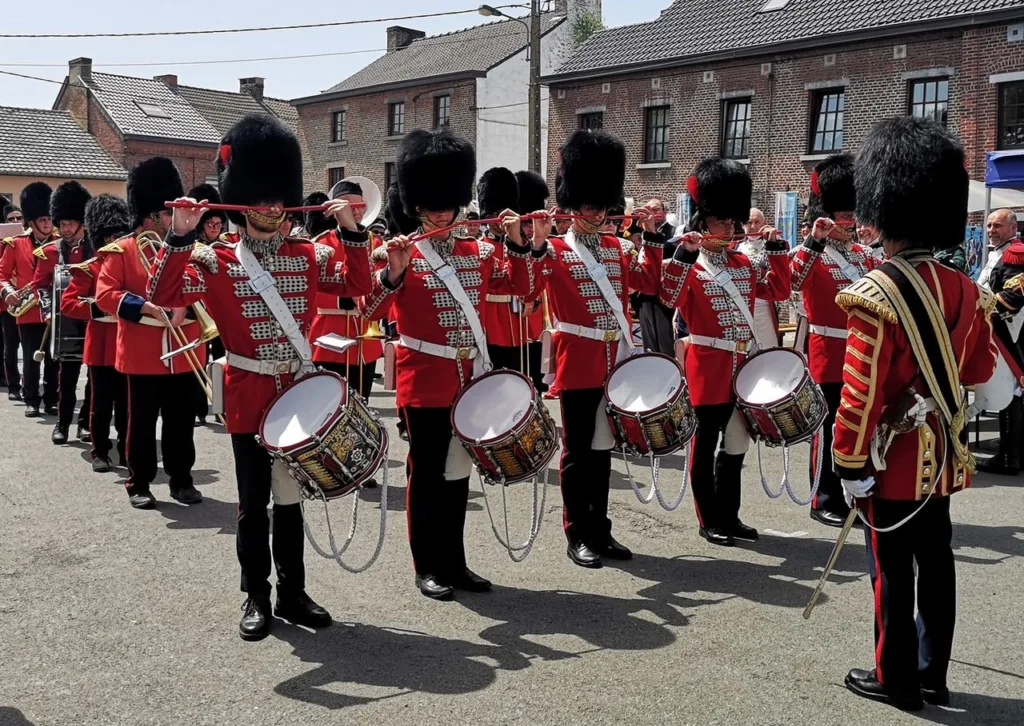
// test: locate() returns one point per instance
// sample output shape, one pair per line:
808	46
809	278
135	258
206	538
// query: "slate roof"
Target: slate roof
693	29
471	51
223	109
41	142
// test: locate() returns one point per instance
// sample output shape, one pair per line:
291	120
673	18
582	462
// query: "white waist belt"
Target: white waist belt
607	336
263	367
498	298
336	311
829	332
157	323
438	351
105	319
733	346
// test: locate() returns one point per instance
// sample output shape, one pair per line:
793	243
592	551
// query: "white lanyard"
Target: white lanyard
849	270
599	274
446	273
263	284
724	279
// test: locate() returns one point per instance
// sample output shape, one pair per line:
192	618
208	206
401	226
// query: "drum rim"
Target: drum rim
330	419
768	404
494	439
649	354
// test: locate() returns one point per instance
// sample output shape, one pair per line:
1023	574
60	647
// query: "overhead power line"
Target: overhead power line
31	78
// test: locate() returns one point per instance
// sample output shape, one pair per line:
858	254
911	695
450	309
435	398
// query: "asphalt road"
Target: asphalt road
115	616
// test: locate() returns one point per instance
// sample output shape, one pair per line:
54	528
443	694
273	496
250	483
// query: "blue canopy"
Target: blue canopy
1004	169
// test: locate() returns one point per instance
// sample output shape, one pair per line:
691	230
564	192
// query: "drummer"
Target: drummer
720	318
259	164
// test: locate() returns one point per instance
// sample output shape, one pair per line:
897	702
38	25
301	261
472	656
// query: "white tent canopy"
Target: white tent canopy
1000	198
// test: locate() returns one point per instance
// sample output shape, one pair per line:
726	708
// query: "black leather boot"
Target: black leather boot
300	609
865	683
255	623
59	435
579	551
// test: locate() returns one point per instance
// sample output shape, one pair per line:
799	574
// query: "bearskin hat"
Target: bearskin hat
8	208
151	184
68	202
35	201
497	191
399	223
107	216
721	188
906	165
209	193
435	171
314	222
593	171
259	162
832	188
533	192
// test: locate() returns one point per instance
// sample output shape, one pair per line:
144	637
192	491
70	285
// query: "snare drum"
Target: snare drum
649	406
504	426
779	402
328	438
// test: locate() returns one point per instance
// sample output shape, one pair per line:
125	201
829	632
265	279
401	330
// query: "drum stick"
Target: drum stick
246	208
830	565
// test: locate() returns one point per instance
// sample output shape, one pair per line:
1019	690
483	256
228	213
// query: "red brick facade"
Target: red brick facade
875	76
368	147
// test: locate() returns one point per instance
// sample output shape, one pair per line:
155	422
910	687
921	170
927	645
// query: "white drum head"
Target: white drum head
770	376
492	406
298	414
644	383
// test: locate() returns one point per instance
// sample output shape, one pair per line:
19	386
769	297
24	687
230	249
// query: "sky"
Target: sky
288	79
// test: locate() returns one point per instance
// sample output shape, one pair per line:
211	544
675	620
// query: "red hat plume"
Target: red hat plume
225	154
814	183
691	187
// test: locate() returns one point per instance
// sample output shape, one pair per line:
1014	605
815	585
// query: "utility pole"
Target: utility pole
534	123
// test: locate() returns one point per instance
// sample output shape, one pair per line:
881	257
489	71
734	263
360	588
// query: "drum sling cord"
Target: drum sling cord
785	486
518	553
655	473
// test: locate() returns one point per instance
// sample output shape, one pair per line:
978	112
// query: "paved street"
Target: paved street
115	616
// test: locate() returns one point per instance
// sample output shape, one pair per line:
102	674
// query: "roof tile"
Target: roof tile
41	142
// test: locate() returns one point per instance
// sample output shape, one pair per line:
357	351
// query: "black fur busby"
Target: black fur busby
151	184
497	191
209	193
832	188
721	188
68	202
906	166
593	171
8	208
107	216
316	223
35	201
399	223
533	192
435	171
259	162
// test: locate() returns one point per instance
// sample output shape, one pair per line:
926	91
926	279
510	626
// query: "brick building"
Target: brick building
780	84
136	118
475	81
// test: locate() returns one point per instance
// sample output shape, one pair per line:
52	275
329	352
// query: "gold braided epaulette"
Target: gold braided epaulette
40	251
987	299
866	293
112	247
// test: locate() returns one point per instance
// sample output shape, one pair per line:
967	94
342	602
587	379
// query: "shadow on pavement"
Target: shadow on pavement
210	514
10	716
1008	541
972	709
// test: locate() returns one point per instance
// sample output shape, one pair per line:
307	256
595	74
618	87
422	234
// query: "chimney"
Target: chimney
251	86
168	79
80	69
399	37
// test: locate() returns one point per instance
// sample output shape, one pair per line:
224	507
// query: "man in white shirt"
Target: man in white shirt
766	326
1002	230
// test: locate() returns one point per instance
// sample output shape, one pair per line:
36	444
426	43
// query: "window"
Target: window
592	120
152	110
442	111
773	5
929	99
339	130
396	118
656	135
736	128
334	175
1011	116
390	177
827	121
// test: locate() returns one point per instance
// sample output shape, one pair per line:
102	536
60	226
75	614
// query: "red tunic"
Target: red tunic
575	299
502	314
881	367
709	311
340	315
819	280
185	274
79	303
141	340
427	312
17	269
47	258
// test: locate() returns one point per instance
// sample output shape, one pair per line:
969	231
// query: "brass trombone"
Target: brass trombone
28	298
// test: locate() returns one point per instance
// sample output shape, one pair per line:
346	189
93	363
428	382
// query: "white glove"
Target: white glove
918	412
857	488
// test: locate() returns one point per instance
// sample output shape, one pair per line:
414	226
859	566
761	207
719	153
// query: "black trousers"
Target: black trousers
31	339
214	350
715	476
436	507
585	473
509	357
656	327
909	653
171	398
830	489
12	343
535	352
109	399
67	394
359	376
252	542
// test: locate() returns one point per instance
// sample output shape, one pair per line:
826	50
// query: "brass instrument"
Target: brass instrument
28	301
374	332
